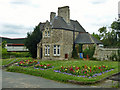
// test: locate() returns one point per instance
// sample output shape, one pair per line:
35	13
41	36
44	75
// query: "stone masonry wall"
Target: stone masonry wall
104	53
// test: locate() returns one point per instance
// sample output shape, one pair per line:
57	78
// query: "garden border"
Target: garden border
84	83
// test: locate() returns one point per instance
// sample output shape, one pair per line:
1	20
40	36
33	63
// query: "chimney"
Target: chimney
65	13
52	15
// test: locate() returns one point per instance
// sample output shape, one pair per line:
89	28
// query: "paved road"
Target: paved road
19	80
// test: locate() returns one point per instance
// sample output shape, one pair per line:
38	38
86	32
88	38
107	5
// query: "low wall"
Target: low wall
104	53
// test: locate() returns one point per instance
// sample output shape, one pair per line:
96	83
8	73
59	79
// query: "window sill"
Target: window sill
56	55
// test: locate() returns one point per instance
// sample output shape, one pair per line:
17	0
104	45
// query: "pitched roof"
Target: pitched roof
77	25
86	38
59	23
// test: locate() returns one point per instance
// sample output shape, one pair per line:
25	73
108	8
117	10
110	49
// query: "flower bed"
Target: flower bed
34	63
84	71
26	63
43	67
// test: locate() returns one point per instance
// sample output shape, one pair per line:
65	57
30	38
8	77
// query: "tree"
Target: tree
3	44
96	36
109	37
116	27
102	31
32	40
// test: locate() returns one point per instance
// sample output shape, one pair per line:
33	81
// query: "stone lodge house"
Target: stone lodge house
59	36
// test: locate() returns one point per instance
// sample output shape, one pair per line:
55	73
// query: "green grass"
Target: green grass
13	60
50	74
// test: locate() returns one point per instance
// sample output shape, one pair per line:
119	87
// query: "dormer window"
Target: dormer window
47	32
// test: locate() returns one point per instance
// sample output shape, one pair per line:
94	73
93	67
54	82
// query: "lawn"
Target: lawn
12	60
50	74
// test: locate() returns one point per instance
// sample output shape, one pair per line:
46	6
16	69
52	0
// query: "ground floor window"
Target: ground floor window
47	50
56	50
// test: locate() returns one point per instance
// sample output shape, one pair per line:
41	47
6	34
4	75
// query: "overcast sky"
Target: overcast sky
18	17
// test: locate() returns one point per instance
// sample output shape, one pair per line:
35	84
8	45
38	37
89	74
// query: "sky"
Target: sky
17	17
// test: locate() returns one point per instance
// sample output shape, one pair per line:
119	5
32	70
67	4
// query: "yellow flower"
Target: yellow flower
65	69
73	66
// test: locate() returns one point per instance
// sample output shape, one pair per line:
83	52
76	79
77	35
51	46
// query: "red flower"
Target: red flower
71	69
48	64
99	67
41	65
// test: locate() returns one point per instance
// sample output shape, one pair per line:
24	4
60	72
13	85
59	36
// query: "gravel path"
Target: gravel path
19	80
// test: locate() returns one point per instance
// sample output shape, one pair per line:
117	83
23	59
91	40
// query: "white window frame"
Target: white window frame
45	33
58	48
55	50
48	50
45	50
48	33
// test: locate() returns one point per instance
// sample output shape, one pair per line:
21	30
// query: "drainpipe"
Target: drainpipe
73	37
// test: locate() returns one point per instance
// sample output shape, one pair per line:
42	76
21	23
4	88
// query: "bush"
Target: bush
6	54
89	51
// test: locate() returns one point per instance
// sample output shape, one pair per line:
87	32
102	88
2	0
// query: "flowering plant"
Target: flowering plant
84	70
43	66
27	62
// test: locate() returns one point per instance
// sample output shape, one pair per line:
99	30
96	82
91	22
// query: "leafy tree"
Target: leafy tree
32	40
102	31
3	44
116	27
96	36
109	37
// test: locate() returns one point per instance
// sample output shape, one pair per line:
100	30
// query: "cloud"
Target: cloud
98	1
20	2
22	15
9	30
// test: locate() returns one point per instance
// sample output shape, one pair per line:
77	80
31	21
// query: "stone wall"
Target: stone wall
104	53
61	37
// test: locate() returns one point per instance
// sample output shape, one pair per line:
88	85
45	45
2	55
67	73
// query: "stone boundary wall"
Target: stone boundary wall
104	53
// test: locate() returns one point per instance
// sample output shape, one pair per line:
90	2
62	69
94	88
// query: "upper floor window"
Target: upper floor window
56	50
47	33
47	50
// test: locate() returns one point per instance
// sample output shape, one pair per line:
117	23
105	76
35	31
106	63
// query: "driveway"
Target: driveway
19	80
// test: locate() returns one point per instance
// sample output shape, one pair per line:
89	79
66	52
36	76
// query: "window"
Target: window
56	50
48	34
47	50
45	34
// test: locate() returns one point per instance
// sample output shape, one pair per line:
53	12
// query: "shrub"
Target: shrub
89	51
